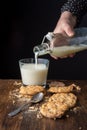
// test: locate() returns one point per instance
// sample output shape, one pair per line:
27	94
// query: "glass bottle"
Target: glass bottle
59	45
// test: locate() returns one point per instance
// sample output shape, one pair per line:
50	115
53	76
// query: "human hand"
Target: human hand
60	40
65	26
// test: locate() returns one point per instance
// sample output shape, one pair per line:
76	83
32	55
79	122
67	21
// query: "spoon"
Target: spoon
35	99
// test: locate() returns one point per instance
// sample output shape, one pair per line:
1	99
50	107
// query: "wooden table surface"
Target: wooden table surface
75	121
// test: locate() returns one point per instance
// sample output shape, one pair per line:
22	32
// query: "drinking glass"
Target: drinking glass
32	73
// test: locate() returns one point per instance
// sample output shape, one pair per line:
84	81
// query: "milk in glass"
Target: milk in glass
34	73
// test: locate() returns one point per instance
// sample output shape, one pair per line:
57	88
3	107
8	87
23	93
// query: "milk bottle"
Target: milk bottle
59	45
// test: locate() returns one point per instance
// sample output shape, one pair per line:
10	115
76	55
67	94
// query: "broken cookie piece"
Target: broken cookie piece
63	89
31	90
58	104
65	98
53	109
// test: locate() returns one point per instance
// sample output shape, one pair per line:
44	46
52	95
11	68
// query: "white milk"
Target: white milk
34	74
67	50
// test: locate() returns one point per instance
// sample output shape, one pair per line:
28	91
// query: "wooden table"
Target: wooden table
23	121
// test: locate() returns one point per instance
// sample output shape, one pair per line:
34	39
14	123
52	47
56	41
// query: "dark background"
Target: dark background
23	23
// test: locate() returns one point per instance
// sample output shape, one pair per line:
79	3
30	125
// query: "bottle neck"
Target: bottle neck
42	49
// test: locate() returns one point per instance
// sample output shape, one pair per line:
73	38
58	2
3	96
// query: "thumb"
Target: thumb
69	31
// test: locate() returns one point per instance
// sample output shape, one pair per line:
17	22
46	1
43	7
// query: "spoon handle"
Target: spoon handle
19	109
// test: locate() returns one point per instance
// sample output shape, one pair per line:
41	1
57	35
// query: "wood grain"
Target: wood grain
23	121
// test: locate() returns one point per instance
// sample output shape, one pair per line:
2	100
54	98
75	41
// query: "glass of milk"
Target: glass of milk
34	73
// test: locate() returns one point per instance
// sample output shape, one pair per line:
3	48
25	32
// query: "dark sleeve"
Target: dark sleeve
76	7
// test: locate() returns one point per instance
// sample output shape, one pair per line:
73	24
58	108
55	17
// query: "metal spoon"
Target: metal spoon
35	99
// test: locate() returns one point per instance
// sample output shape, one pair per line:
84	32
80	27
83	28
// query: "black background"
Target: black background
23	23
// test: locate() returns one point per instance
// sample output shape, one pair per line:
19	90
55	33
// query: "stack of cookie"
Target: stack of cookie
61	99
59	102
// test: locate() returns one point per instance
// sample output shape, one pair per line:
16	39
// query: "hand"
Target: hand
60	40
66	24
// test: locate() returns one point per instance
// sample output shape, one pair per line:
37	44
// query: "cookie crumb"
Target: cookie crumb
76	109
33	108
80	128
20	117
39	115
17	83
13	102
67	116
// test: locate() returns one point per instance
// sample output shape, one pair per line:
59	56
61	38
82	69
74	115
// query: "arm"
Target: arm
71	13
77	7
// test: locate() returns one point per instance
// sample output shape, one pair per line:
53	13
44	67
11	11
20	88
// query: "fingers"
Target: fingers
69	30
56	58
66	24
65	29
